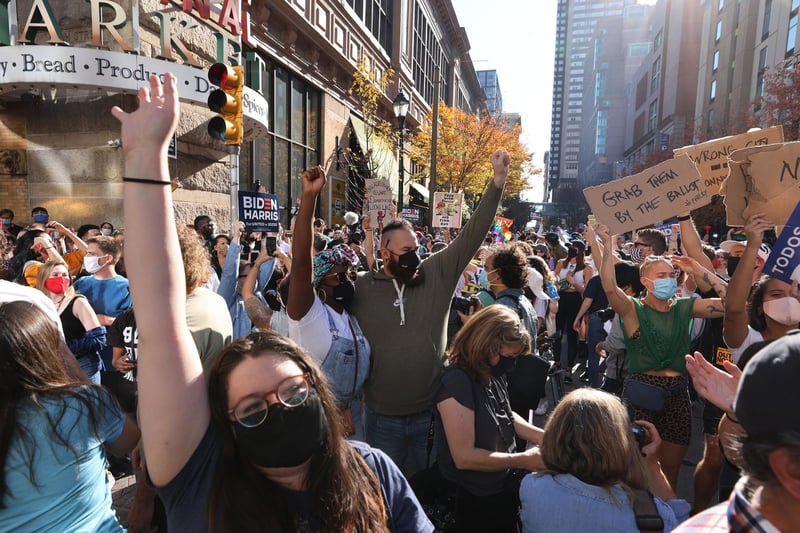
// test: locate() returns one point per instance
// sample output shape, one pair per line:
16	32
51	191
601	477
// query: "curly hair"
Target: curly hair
196	259
511	264
344	491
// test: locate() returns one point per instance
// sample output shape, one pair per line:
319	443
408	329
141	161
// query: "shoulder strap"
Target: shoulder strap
647	517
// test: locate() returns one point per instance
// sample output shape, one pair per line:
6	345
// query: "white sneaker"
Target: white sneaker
541	409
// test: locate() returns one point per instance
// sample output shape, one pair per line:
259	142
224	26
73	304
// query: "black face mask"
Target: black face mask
344	293
503	365
733	262
288	437
405	268
409	261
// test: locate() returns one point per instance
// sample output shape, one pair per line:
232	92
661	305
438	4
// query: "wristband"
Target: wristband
684	218
145	180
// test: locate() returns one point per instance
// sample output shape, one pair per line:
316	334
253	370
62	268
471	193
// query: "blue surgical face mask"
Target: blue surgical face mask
483	279
40	217
664	289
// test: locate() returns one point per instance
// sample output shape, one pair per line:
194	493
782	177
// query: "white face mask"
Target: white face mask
784	310
106	231
92	263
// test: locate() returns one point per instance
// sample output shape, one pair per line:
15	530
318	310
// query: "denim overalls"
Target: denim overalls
345	375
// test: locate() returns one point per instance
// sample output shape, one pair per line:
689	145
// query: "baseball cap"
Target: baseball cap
541	248
580	245
727	246
535	283
769	382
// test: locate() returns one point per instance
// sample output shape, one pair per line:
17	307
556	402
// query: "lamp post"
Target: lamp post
400	106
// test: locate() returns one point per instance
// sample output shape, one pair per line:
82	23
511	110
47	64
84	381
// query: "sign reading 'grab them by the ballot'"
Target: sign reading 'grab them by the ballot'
660	192
711	157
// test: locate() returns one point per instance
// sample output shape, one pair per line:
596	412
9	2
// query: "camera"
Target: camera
606	314
640	434
465	304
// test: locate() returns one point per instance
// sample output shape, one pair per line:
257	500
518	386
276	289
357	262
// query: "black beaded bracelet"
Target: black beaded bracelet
684	218
145	180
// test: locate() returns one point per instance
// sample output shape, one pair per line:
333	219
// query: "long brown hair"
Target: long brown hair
589	436
44	273
483	334
31	369
343	490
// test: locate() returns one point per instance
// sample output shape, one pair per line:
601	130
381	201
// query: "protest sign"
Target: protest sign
763	179
660	192
502	229
784	260
411	214
447	209
379	201
711	157
259	211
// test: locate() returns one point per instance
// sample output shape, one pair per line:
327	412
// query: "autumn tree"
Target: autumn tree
465	143
779	103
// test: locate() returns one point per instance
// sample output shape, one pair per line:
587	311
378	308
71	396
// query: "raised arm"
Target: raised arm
734	327
704	278
369	242
301	289
617	299
691	243
173	403
62	229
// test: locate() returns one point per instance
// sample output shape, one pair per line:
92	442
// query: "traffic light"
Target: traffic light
227	101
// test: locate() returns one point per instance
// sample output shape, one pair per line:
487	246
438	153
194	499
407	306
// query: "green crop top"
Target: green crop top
663	338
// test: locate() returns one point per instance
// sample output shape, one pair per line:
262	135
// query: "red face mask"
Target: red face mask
57	285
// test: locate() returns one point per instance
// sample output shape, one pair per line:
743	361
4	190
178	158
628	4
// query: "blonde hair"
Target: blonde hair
483	334
589	436
44	273
652	260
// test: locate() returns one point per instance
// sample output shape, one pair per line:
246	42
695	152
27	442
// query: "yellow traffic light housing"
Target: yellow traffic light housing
227	101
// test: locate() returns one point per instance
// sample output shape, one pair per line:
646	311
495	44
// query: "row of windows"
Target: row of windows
428	55
377	17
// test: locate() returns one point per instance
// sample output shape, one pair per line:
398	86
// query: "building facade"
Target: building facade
66	63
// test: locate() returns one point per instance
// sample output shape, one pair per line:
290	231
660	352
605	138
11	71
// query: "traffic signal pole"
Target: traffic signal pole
233	152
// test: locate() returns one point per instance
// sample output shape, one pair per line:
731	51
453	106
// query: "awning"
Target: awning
424	192
384	160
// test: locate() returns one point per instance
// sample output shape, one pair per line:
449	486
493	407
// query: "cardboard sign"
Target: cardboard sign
447	209
379	201
711	157
656	194
763	179
784	259
259	211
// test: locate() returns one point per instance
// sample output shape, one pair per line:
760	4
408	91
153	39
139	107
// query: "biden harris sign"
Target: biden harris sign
259	211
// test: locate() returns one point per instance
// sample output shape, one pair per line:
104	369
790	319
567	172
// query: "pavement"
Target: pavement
123	490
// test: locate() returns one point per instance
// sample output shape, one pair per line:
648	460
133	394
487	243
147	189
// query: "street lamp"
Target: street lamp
400	106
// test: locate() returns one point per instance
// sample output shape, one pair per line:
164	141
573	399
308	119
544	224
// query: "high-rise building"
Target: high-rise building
576	21
620	44
661	105
491	86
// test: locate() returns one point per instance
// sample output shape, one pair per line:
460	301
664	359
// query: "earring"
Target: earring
322	295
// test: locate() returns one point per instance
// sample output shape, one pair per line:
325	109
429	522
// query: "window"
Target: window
721	5
427	56
762	65
601	132
767	19
377	17
710	124
652	116
599	86
655	75
293	142
715	61
713	91
638	49
658	40
792	36
718	32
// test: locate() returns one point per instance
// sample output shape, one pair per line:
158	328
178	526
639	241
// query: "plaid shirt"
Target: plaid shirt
736	515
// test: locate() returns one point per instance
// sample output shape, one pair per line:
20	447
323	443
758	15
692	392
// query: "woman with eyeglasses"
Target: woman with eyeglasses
657	334
476	428
262	447
321	289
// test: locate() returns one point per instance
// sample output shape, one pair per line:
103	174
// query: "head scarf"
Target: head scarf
324	261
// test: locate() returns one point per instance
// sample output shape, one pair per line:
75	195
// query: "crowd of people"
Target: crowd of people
349	380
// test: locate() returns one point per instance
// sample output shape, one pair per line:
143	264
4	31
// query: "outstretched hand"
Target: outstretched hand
146	132
755	227
713	384
500	163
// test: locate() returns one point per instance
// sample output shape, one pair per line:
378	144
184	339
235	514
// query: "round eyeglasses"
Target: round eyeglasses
291	392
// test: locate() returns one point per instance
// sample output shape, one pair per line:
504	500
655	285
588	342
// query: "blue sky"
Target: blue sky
517	38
